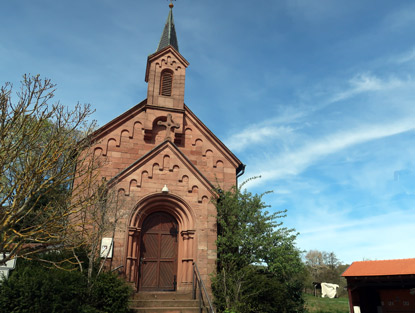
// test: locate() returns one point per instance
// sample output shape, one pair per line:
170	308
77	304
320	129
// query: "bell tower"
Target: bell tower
166	70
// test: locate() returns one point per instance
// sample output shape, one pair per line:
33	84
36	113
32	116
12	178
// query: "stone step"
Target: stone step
163	303
162	295
165	310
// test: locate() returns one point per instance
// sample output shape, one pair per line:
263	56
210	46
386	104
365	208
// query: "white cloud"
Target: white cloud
383	236
295	161
255	135
406	57
280	126
271	129
365	82
282	191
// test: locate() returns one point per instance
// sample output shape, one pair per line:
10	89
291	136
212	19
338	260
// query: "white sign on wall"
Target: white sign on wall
106	248
4	274
10	264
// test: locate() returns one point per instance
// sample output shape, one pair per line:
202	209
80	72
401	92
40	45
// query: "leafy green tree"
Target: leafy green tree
259	269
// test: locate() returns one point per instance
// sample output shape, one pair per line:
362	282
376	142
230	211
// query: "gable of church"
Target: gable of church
130	136
165	165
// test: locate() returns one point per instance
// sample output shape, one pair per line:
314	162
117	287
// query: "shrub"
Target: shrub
259	290
269	294
32	287
38	289
259	269
110	294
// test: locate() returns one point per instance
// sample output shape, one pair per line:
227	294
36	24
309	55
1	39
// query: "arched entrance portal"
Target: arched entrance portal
161	244
158	253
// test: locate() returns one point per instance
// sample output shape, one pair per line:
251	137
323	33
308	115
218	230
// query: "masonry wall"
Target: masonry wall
128	142
190	168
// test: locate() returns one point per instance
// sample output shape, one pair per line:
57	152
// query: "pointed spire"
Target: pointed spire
169	33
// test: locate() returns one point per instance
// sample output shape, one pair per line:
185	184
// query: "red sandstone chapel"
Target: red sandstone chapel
165	163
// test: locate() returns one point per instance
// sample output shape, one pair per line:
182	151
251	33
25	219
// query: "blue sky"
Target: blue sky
317	97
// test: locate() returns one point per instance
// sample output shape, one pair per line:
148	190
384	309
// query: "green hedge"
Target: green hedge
110	294
34	288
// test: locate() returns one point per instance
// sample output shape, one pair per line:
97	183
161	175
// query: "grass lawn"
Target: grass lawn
326	305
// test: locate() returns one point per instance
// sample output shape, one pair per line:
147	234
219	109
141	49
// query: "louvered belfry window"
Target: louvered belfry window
166	83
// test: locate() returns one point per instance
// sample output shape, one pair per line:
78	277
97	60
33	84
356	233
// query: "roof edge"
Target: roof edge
157	54
114	180
235	159
108	126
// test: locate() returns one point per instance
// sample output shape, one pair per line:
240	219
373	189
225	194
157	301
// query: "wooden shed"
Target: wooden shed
384	286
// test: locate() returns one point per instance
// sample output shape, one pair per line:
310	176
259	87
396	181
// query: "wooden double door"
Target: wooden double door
158	253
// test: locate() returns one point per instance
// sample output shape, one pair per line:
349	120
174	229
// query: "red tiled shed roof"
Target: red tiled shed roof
381	268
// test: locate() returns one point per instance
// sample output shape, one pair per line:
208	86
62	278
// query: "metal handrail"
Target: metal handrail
197	279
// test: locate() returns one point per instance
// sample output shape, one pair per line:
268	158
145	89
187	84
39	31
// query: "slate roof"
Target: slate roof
169	36
381	268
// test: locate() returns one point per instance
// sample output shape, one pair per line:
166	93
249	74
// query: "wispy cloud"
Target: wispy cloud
281	127
406	57
256	135
365	82
353	238
278	127
295	161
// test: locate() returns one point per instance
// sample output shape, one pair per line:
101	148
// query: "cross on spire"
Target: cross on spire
170	126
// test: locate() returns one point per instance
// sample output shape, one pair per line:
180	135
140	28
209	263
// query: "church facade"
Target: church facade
164	162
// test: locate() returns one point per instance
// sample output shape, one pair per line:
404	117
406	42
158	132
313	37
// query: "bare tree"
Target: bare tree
323	266
331	260
314	261
314	258
40	152
98	220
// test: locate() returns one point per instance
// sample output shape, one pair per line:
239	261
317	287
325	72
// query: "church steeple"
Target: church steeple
166	71
169	36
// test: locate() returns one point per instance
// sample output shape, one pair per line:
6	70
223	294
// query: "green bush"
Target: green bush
110	294
37	289
32	287
269	294
259	290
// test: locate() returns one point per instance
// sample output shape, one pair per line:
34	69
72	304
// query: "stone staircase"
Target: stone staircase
164	302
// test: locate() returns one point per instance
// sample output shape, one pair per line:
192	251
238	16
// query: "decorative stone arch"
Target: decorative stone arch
184	215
